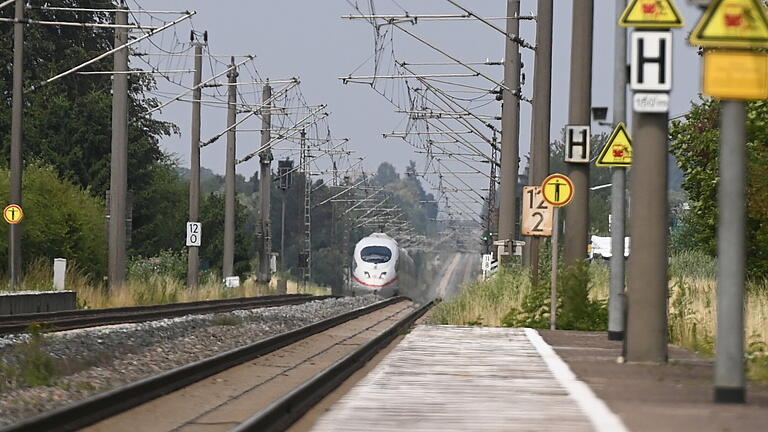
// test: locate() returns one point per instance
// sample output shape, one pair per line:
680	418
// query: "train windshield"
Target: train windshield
376	254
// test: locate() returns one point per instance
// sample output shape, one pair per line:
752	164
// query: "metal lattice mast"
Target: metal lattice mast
307	207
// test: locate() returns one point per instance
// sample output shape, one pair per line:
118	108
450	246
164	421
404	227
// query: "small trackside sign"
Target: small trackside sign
650	102
194	231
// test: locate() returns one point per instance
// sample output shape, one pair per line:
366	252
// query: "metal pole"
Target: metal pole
553	288
265	187
17	143
577	214
646	335
540	122
119	170
510	127
193	256
616	300
729	360
229	181
282	235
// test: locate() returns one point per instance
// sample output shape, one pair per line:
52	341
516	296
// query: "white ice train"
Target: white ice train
381	267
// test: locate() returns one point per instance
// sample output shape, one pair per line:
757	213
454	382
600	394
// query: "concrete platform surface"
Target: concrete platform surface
449	378
672	397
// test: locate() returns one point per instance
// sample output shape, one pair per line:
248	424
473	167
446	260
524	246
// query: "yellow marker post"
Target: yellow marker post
732	24
657	14
618	150
13	214
557	190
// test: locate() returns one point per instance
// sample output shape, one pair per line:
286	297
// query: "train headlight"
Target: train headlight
381	276
367	274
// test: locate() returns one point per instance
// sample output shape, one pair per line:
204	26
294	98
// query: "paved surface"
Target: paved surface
672	397
448	378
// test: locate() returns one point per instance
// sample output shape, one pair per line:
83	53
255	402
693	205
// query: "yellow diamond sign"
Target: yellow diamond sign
617	152
658	14
732	24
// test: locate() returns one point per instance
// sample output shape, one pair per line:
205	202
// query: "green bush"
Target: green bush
167	263
61	220
575	310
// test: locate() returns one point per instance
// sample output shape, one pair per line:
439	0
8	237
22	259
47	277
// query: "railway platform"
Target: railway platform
448	378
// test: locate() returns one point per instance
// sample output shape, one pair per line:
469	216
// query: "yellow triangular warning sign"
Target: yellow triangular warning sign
617	152
651	14
732	24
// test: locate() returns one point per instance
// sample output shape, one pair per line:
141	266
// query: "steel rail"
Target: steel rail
104	405
282	413
74	319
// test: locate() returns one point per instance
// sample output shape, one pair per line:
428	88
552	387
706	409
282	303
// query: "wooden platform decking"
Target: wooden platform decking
448	378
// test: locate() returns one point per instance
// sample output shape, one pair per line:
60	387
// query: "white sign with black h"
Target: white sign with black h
194	231
651	63
577	144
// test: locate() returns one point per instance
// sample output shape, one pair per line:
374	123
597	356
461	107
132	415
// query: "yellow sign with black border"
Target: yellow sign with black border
732	24
617	152
658	14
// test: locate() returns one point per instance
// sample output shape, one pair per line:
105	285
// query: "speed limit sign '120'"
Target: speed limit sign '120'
193	233
537	213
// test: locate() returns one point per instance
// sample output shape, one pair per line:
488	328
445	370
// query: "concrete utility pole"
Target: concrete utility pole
647	281
577	213
230	192
265	186
616	300
510	128
540	122
119	170
193	256
730	384
17	143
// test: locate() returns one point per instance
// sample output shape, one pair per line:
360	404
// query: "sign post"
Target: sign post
651	81
617	154
557	190
733	76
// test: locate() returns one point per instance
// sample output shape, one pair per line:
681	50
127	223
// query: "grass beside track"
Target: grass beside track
692	301
150	290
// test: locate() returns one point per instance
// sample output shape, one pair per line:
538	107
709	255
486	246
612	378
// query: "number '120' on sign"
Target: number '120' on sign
537	213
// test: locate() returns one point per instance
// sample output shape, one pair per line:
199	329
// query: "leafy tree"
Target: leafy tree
695	144
212	248
61	220
67	123
386	174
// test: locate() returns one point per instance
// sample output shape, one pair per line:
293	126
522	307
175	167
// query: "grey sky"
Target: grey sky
308	39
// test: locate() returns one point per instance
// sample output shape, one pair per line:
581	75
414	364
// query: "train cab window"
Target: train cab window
376	254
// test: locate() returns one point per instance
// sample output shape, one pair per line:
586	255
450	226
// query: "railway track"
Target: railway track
69	320
264	386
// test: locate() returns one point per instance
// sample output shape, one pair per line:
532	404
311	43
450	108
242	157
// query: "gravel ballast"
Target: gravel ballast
90	361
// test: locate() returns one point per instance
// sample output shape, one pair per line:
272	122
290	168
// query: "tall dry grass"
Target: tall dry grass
150	290
484	302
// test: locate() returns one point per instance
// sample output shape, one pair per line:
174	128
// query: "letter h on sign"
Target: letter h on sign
651	64
577	144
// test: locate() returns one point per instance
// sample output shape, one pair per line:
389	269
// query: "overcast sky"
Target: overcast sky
308	39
